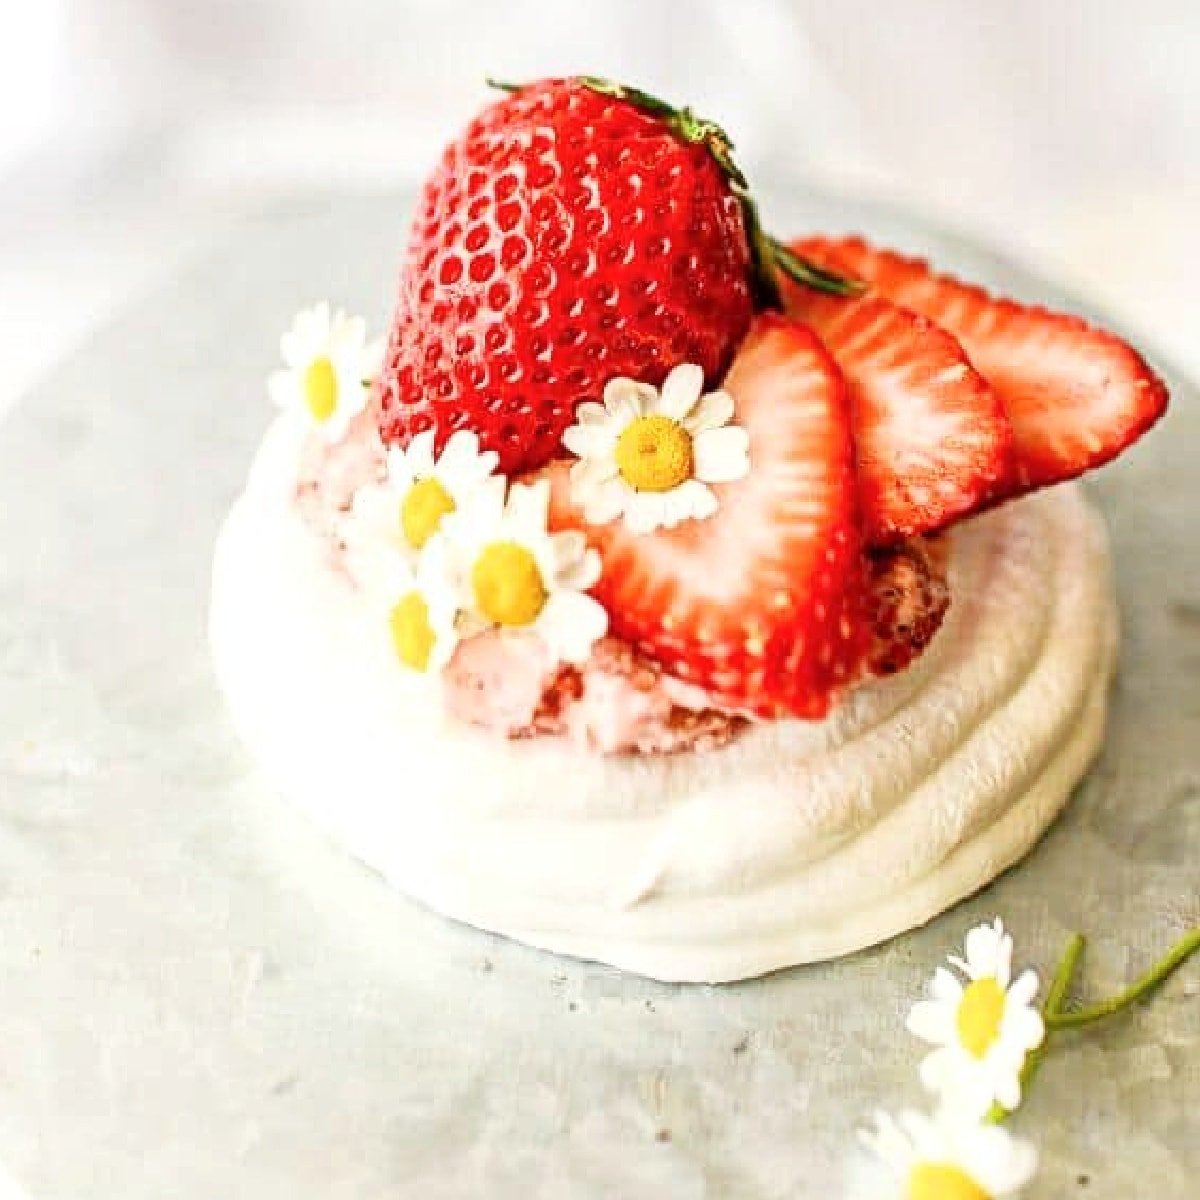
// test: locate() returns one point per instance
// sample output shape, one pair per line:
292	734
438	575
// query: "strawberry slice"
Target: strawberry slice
761	603
1076	395
931	438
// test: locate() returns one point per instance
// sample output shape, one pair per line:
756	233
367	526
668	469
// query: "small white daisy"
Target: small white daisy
983	1028
421	609
514	574
650	455
328	369
422	488
947	1159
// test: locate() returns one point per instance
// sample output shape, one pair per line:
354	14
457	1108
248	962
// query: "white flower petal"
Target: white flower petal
590	441
575	566
690	501
420	454
283	389
945	987
645	511
983	951
528	507
1024	989
931	1021
711	412
589	472
888	1142
571	623
336	427
680	391
938	1069
372	358
999	1162
607	501
1007	1091
590	413
399	471
459	452
721	455
1022	1027
626	399
347	337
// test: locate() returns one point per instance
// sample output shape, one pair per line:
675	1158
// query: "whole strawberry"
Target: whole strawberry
576	231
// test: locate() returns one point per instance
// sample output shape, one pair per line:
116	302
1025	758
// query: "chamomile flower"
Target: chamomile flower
421	609
650	455
946	1159
983	1028
515	575
328	369
422	488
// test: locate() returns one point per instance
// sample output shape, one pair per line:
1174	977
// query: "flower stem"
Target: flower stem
1056	997
1157	974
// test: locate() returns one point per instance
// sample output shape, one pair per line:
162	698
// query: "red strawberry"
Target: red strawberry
762	602
1076	395
568	236
931	439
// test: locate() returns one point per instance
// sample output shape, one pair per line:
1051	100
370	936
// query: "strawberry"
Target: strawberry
577	230
566	237
761	603
1075	395
931	439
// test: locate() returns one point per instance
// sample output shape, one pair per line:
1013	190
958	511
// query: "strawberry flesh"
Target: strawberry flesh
932	441
760	604
1075	395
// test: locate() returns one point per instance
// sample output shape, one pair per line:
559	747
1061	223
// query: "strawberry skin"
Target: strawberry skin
760	604
932	441
565	238
1075	395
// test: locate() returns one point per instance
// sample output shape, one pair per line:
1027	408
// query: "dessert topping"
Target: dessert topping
328	369
576	231
649	456
1075	395
513	573
422	488
761	604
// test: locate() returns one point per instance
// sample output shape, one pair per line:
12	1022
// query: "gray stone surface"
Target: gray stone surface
199	997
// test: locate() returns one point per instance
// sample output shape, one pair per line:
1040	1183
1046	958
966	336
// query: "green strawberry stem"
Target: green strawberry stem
1058	1018
769	257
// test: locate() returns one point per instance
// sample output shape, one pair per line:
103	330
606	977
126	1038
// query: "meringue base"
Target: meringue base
799	841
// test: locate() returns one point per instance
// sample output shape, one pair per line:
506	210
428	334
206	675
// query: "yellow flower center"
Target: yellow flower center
980	1012
422	511
509	589
412	634
654	454
320	389
942	1181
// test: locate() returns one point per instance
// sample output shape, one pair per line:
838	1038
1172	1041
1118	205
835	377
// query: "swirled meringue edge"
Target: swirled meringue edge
799	841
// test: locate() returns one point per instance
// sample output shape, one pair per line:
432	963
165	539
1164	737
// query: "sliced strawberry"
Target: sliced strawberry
931	439
761	603
1076	395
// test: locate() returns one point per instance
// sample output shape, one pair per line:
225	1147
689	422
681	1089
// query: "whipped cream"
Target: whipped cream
797	841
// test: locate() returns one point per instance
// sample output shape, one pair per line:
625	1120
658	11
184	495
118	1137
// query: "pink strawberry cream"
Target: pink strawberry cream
620	701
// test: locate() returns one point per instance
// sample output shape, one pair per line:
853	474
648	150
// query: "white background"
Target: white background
132	132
